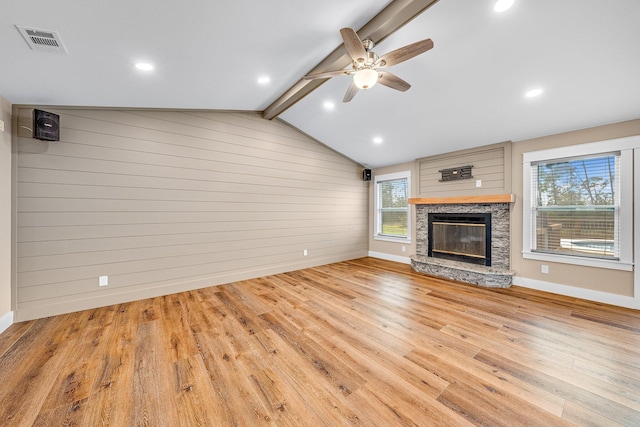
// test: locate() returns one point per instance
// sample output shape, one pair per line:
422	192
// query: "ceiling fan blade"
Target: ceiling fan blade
327	74
352	42
407	52
351	92
393	81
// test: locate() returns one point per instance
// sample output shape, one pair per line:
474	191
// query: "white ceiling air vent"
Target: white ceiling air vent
45	40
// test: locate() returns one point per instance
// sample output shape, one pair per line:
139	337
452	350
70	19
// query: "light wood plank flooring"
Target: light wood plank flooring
365	342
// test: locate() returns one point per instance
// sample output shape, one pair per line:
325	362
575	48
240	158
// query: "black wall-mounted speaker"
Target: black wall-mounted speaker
46	126
366	174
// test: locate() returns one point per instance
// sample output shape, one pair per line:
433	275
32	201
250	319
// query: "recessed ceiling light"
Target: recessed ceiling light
533	93
503	5
263	80
144	66
378	140
328	105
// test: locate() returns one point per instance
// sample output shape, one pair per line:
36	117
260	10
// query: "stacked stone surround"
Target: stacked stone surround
498	275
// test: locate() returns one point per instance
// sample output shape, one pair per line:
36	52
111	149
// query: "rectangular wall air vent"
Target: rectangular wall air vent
44	40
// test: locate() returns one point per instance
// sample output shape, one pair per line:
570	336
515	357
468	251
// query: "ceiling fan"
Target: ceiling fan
366	64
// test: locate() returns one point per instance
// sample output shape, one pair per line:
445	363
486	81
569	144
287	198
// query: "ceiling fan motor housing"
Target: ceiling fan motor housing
369	62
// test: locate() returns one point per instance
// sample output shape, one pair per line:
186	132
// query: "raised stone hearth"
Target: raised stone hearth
498	275
480	275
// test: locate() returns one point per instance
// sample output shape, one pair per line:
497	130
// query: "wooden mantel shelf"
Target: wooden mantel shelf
492	198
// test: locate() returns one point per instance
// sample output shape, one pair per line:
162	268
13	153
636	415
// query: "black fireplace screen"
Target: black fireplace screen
461	237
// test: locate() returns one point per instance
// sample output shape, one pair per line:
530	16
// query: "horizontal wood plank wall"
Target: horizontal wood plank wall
165	201
491	165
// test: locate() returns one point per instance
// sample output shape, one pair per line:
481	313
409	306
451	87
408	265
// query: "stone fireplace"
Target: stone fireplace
475	247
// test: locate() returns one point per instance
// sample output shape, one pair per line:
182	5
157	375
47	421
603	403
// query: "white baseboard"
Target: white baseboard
571	291
6	321
389	257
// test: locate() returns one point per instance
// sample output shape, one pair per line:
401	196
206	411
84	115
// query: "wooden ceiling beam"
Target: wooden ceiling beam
389	20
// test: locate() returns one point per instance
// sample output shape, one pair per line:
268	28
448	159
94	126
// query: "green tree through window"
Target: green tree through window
392	209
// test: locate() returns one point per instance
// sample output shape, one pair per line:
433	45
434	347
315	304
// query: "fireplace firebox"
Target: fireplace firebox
462	237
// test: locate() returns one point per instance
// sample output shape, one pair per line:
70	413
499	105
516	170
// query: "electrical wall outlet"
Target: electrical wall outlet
404	248
478	183
1	126
544	269
305	252
103	280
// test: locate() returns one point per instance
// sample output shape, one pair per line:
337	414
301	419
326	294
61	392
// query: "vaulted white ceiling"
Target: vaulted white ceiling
467	91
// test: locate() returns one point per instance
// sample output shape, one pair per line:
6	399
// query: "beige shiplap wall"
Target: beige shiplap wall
164	201
491	165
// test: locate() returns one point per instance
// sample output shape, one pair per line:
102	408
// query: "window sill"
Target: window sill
404	240
589	262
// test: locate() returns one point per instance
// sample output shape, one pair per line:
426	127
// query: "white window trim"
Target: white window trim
376	216
626	147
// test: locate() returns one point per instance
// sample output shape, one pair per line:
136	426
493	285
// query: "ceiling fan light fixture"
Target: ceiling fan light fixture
365	78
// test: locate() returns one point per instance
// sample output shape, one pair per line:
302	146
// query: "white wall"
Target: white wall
5	216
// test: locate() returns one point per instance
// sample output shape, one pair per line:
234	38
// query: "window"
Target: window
578	204
392	213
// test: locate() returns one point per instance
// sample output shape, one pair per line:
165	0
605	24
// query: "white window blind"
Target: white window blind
575	206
